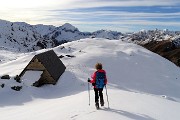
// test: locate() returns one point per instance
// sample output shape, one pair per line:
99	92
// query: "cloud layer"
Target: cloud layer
91	15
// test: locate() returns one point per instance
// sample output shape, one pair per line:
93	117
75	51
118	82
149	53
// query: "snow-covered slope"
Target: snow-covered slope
21	37
141	85
44	29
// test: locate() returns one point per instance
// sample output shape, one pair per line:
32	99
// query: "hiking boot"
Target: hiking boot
102	103
97	105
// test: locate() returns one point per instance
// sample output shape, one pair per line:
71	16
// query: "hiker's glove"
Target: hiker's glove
93	84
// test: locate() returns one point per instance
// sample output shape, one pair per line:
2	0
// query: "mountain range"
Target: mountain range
23	37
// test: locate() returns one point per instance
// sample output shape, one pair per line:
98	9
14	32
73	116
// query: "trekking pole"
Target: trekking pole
89	93
107	96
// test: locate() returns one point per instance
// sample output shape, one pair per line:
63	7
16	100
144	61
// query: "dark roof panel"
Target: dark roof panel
52	63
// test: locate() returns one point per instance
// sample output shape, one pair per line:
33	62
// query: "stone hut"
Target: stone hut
50	64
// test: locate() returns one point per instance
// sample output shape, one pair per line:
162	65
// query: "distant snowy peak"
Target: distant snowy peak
68	32
68	27
108	34
44	29
65	33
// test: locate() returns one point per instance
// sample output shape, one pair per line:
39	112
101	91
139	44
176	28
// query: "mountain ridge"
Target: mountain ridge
25	37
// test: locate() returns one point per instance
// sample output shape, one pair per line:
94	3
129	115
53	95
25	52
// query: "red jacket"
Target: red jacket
93	76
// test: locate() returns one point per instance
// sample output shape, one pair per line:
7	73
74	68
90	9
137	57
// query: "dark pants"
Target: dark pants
98	93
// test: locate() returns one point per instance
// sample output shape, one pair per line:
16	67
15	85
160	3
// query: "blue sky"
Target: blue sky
92	15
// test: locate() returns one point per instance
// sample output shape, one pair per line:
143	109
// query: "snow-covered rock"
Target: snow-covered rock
145	36
176	41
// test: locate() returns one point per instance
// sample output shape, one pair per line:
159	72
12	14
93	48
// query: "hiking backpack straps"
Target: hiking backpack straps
100	79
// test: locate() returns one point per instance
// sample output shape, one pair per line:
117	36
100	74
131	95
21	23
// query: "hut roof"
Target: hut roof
52	63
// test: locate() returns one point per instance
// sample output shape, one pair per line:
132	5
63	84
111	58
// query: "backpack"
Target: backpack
100	79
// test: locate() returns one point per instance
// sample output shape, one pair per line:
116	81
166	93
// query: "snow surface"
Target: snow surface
31	77
141	85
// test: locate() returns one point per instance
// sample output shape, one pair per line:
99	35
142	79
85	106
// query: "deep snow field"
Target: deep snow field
141	85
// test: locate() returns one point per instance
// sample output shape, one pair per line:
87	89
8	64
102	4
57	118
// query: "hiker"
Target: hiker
99	80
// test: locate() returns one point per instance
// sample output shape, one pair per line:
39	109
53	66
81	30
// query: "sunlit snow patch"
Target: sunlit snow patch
31	77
